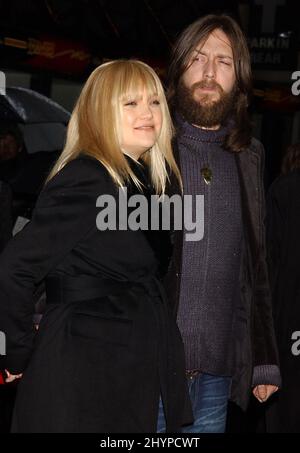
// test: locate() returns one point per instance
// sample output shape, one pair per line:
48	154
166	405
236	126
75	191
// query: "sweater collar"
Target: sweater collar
187	130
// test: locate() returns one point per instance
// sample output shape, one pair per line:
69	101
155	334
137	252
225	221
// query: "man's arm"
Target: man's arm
266	375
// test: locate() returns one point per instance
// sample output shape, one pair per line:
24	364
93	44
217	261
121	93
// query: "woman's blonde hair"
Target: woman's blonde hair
94	127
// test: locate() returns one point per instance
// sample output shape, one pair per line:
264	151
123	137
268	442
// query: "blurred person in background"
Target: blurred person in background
11	147
13	156
6	222
7	393
283	239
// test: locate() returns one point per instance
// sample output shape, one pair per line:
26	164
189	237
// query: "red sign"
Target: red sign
52	54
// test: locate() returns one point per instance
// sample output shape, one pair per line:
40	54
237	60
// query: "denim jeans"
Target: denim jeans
209	397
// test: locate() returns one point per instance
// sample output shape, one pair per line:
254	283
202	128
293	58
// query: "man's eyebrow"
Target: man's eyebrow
199	51
219	55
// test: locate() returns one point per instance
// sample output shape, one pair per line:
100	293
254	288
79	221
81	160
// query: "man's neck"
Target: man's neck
213	128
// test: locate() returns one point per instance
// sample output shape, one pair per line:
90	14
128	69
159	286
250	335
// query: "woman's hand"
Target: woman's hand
263	392
12	377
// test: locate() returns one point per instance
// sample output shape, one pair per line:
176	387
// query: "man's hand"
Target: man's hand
263	392
12	377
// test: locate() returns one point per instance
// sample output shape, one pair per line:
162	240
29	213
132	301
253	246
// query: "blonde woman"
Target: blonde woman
106	347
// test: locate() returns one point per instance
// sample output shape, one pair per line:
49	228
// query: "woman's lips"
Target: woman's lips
145	128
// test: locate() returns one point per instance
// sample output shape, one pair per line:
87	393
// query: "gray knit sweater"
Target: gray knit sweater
210	267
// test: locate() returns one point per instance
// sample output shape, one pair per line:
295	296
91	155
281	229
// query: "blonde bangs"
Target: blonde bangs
133	80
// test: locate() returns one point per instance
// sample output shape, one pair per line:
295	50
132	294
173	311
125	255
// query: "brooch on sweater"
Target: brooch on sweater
207	174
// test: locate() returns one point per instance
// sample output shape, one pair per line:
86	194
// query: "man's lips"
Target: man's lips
207	88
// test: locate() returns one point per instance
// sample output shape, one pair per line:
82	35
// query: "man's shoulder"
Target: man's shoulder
256	147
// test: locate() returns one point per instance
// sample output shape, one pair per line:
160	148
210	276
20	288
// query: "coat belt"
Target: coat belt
66	289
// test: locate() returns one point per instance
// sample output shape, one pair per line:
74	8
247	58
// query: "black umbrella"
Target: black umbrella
42	121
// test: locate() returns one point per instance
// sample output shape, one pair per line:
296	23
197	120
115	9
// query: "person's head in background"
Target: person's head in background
122	110
209	78
291	159
11	141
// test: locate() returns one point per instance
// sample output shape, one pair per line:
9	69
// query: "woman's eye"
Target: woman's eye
130	103
225	62
156	102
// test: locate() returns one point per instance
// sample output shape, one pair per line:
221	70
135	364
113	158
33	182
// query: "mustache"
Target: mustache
206	84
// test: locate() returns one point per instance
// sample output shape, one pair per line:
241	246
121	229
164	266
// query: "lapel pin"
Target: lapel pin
207	174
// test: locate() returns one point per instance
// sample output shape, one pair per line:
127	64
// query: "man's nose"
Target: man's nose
209	69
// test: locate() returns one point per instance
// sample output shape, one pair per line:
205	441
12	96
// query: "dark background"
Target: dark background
62	39
67	39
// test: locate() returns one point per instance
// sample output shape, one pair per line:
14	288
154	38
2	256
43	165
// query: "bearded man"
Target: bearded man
219	285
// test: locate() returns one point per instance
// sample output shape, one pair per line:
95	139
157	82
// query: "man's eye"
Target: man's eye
200	58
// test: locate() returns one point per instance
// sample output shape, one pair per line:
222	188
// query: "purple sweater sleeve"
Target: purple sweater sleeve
266	374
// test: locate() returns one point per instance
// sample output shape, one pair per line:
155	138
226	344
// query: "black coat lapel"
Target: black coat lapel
248	165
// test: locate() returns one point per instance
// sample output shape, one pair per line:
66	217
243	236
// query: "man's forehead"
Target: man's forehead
217	38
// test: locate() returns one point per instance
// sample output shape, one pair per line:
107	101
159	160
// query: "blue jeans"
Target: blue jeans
209	397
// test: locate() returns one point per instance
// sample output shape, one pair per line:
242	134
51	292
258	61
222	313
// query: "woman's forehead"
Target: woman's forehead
140	90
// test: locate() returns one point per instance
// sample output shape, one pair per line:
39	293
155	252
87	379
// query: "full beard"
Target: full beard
204	112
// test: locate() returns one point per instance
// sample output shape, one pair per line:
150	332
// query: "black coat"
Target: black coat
5	214
283	239
106	346
254	332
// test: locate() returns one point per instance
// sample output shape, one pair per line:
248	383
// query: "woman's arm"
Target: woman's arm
65	212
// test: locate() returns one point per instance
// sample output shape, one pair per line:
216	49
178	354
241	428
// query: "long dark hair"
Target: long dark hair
291	159
239	136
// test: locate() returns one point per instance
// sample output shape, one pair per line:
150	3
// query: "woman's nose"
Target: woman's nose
146	111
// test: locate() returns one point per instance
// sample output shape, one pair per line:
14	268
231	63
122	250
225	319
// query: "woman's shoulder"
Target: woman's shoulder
83	168
81	178
83	165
